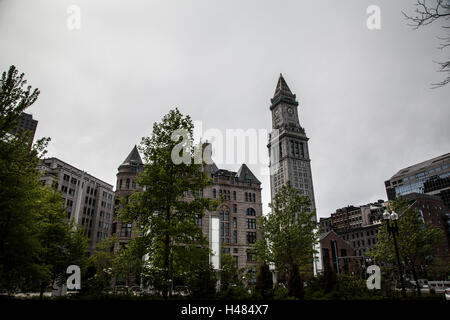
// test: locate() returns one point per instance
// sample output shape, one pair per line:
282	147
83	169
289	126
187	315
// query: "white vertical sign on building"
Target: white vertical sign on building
214	241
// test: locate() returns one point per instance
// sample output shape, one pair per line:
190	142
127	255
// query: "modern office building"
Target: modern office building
288	148
428	177
89	201
26	123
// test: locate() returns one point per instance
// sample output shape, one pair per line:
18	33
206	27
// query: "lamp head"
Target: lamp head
386	215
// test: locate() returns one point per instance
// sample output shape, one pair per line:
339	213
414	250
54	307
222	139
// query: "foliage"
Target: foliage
128	261
202	280
346	287
289	235
20	192
14	99
99	272
61	244
417	241
168	220
264	282
280	292
295	282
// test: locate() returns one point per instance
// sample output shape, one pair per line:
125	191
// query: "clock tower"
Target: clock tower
288	148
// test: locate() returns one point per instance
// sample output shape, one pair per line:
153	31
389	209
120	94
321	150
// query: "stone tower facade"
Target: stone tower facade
126	185
288	145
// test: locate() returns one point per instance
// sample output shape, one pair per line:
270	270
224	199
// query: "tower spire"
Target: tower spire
282	93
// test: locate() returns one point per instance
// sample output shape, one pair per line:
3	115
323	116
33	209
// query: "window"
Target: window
246	196
224	225
127	184
120	184
125	231
251	223
251	237
234	193
235	250
66	177
214	193
254	197
225	250
234	222
199	220
251	212
234	208
235	236
251	256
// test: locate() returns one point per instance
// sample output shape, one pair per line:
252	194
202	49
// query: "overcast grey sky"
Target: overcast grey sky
364	95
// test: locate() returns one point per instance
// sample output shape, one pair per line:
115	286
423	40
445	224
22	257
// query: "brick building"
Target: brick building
356	225
432	210
238	213
337	253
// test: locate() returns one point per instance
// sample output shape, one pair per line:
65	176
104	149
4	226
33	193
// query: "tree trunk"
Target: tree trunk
166	257
413	269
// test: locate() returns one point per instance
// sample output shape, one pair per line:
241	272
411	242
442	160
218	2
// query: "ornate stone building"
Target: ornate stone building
125	186
239	211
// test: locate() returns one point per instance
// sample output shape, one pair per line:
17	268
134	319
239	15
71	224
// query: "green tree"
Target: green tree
14	99
295	282
162	209
289	234
20	190
60	244
417	241
99	272
264	282
128	262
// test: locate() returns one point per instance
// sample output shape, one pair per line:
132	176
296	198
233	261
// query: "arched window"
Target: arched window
251	212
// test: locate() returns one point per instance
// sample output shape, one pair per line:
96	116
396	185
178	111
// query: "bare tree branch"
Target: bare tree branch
426	14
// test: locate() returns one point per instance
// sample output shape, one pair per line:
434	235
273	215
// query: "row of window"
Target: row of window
127	184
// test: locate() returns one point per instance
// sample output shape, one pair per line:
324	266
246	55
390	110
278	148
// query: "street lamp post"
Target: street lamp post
393	230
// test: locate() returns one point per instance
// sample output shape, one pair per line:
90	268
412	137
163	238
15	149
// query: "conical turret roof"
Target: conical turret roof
133	158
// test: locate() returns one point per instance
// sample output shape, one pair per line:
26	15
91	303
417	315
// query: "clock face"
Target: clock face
290	111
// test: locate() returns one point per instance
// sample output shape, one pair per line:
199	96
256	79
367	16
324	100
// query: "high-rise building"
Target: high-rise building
288	145
89	201
288	148
428	177
26	123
